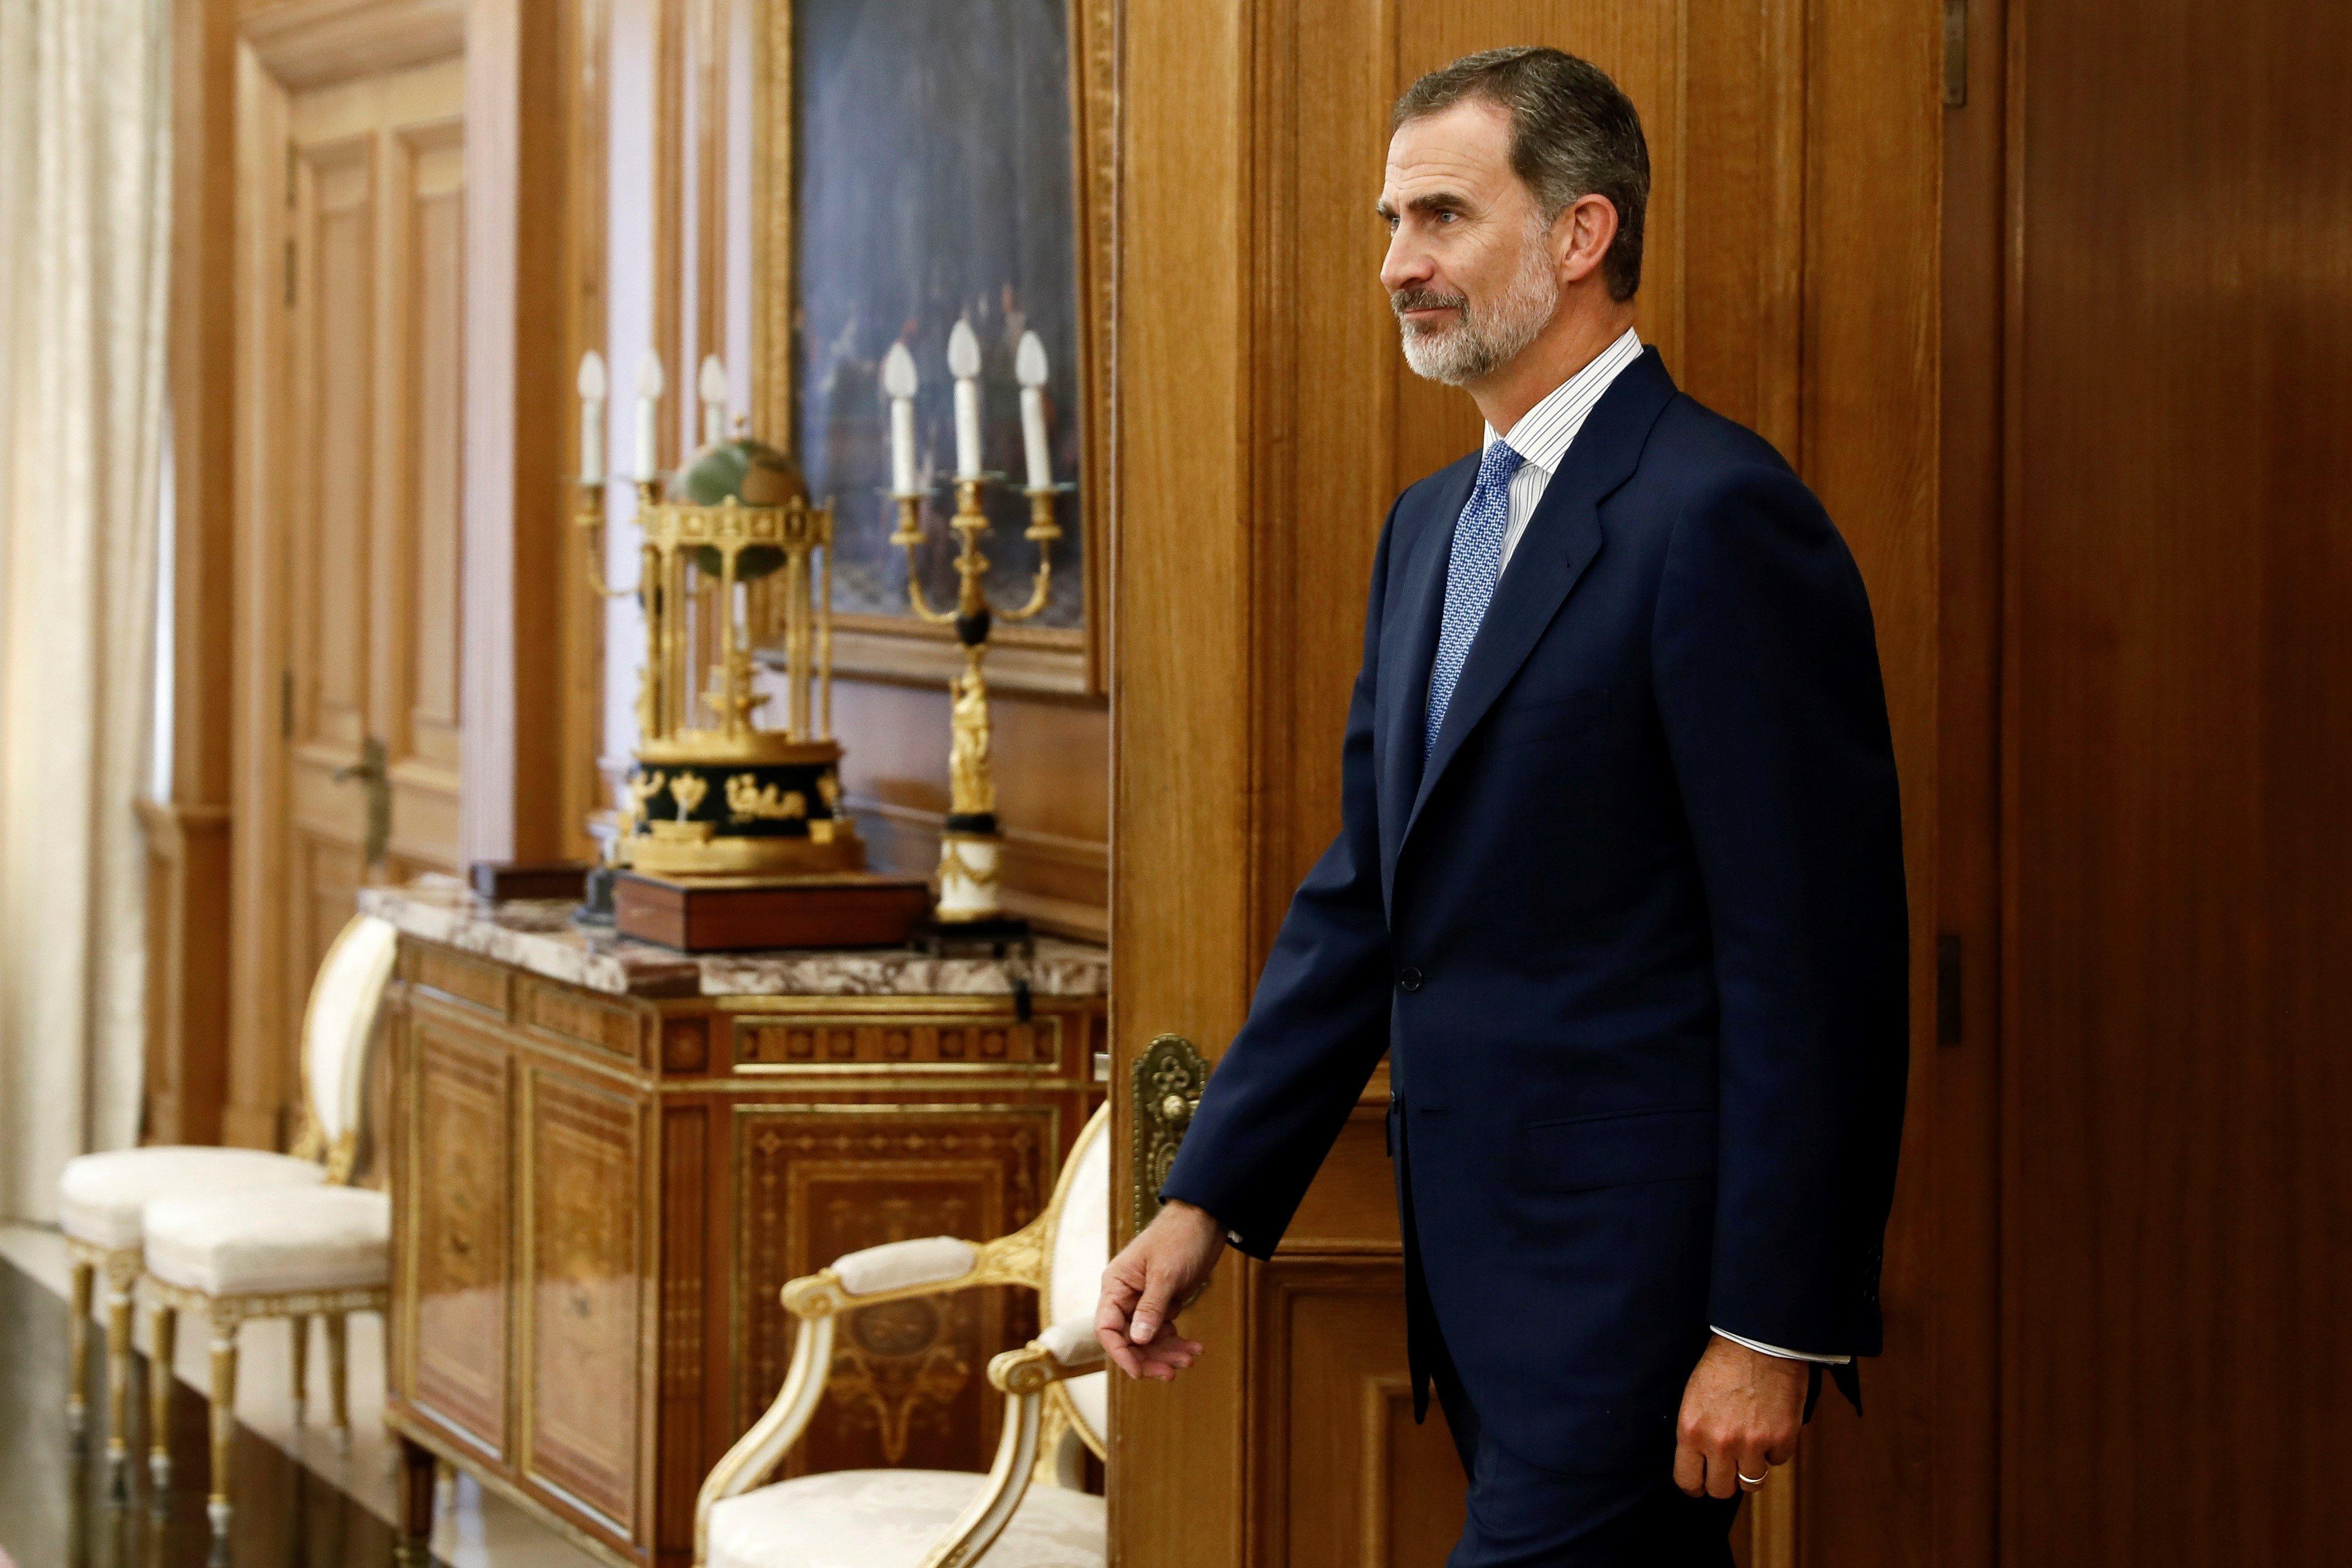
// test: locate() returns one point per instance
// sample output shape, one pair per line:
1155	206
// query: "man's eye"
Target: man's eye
1447	215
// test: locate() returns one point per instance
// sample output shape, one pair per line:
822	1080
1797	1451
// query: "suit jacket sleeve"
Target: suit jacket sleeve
1767	680
1320	1020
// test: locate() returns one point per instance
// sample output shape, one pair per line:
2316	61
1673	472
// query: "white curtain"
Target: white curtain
84	178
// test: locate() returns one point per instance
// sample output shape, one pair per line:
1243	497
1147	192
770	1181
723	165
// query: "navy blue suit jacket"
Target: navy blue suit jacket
1632	936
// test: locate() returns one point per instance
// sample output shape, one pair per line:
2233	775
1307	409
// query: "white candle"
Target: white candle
963	363
714	400
898	384
649	394
1029	365
592	415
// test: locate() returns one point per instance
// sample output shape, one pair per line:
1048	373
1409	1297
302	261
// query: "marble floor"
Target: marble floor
300	1500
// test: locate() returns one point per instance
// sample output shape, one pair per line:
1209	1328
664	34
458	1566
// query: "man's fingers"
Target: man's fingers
1690	1469
1753	1468
1152	1311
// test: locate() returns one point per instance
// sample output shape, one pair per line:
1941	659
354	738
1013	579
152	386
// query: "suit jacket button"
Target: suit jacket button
1409	978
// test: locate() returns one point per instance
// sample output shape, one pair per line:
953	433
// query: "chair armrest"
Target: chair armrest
1067	1349
924	1266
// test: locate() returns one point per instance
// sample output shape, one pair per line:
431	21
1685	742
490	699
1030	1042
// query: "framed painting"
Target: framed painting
917	164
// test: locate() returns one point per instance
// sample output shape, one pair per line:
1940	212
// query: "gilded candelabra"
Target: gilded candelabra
968	845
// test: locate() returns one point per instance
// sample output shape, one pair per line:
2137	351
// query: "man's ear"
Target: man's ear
1583	233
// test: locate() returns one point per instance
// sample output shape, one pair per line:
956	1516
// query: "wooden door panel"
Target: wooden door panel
418	651
334	290
454	1242
1354	1479
582	1291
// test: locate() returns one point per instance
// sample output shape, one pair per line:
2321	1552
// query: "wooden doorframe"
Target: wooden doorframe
280	49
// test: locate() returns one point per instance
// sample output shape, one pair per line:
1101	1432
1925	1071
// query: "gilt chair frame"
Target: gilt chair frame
226	1314
123	1267
1037	1408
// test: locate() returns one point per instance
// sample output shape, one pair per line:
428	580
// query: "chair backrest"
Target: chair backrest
337	1026
1077	1249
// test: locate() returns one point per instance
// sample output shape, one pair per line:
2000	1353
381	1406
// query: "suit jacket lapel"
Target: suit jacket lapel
1560	543
1408	648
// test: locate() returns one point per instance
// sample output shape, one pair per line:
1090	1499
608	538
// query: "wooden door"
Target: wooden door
376	176
1264	422
353	270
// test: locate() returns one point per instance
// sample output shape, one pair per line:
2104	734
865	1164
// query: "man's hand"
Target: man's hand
1155	1277
1742	1411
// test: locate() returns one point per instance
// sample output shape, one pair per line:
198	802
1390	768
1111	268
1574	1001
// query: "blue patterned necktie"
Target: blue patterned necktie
1470	573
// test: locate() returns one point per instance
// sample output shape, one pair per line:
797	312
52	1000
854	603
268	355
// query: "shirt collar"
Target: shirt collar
1543	435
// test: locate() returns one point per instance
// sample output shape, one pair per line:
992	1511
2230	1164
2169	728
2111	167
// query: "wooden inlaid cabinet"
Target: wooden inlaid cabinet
598	1197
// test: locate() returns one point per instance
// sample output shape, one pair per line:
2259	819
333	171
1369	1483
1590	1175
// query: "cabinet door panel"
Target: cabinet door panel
581	1291
456	1200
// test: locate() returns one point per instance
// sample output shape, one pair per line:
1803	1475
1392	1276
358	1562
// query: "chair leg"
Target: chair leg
85	1279
117	1376
299	1327
339	1383
163	1334
223	1422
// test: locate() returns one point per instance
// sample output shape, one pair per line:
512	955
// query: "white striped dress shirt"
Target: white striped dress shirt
1542	434
1541	438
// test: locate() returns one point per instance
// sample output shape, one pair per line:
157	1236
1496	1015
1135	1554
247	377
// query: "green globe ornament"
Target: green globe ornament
750	473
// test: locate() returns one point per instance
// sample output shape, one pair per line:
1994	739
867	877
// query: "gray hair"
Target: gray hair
1573	134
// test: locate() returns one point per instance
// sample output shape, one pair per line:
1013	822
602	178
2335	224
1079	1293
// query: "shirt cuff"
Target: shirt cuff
1783	1354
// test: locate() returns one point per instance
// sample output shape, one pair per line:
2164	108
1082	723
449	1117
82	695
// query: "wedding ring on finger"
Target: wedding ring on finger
1751	1482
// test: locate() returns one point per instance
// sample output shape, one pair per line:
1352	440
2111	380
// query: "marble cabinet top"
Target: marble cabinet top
537	934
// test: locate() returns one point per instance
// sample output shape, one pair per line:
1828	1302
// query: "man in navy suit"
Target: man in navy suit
1618	890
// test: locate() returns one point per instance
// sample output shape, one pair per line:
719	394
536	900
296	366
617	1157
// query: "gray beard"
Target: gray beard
1483	342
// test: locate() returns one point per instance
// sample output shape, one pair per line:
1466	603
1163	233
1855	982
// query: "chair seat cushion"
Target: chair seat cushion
270	1240
889	1518
101	1196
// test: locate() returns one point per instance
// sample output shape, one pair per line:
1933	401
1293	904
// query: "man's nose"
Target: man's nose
1406	266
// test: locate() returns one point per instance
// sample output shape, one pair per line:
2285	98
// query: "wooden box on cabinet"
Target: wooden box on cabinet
598	1197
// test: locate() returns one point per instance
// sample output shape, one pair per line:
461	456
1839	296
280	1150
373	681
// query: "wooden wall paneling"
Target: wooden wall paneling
1053	790
258	1071
1869	447
522	411
584	42
2175	849
1954	1131
1352	1474
188	830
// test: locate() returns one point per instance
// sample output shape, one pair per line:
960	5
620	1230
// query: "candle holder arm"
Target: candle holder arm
1043	531
909	535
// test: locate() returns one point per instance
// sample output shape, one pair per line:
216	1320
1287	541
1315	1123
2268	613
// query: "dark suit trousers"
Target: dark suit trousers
1525	1515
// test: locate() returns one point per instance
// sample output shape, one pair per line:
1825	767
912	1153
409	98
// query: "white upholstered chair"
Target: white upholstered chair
1028	1511
292	1250
103	1198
